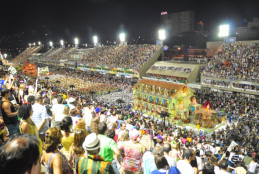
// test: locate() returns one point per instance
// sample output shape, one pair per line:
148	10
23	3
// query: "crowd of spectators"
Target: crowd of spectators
233	105
235	61
58	131
122	83
58	54
130	56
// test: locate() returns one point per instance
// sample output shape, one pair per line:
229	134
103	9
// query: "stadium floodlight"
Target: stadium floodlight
122	37
76	41
5	55
86	44
61	42
39	43
34	44
95	39
29	44
223	30
50	44
161	34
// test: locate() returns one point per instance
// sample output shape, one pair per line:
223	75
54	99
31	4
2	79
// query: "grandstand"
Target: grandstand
234	67
25	54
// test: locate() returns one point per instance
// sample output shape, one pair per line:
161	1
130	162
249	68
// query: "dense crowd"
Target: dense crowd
45	129
58	54
23	56
235	61
232	104
121	83
130	56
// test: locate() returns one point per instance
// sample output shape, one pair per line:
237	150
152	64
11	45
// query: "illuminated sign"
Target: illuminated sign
163	13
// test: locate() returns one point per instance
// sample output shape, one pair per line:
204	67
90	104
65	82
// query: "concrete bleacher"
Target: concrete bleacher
234	67
25	55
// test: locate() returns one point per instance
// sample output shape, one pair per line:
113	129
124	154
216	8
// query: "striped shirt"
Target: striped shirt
91	165
235	158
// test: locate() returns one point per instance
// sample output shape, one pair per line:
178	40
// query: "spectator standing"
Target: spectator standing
149	164
167	148
108	145
67	135
9	113
57	112
184	165
163	167
93	163
40	117
27	126
20	155
54	161
133	152
252	166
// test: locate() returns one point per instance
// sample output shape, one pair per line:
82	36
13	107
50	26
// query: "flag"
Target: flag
43	71
232	145
12	70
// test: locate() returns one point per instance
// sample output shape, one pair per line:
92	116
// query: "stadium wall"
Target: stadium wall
151	61
231	87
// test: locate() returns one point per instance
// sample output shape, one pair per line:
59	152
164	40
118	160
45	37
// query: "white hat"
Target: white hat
71	100
91	142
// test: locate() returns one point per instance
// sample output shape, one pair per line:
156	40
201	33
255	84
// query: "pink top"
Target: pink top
183	140
133	155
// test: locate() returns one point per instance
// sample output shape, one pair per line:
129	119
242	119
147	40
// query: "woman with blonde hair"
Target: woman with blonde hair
147	141
176	151
76	150
81	125
124	136
94	124
54	161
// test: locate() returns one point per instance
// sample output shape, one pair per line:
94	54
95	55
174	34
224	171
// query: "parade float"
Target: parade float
152	97
29	69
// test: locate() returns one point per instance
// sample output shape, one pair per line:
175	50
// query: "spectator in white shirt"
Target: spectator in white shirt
40	116
213	149
167	148
224	167
57	111
252	166
184	165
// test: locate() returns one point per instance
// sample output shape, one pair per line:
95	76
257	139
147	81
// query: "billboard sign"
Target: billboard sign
164	13
230	40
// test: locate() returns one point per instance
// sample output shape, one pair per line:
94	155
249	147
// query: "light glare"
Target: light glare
76	41
161	34
223	30
122	37
95	39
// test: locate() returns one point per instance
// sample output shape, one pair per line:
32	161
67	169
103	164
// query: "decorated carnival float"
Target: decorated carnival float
152	97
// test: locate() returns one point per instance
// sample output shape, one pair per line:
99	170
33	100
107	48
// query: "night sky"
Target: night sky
109	17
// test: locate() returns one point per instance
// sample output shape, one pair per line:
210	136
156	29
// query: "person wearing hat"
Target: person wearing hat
93	163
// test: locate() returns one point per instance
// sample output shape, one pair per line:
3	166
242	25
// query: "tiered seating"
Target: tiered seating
130	56
235	61
25	54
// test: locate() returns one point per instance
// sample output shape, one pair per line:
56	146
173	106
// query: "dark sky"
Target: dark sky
109	17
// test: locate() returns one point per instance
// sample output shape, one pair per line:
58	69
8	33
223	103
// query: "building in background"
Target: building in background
249	32
176	23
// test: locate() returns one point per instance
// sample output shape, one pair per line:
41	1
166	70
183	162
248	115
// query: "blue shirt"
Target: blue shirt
120	121
1	84
39	114
172	170
149	163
